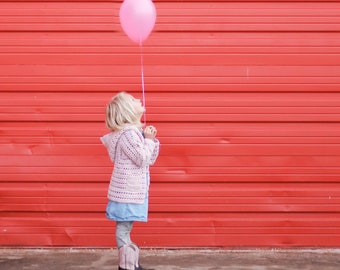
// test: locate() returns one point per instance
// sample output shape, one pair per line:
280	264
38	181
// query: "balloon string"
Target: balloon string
142	70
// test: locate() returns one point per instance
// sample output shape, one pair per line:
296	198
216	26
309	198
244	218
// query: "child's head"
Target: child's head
123	110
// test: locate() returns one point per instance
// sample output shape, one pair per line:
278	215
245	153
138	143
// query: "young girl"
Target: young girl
132	150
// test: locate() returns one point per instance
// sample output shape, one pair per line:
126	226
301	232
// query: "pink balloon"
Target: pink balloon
137	18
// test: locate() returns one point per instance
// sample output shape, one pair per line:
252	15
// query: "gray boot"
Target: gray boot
128	257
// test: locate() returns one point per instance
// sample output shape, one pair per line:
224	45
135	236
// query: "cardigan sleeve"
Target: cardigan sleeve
139	150
155	151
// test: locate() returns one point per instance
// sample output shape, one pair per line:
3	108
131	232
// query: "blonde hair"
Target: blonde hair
121	112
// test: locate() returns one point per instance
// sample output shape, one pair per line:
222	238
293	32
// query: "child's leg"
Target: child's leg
128	251
123	230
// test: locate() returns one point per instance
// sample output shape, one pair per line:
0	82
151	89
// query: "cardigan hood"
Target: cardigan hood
110	141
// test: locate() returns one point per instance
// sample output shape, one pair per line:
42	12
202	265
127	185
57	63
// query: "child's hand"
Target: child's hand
150	132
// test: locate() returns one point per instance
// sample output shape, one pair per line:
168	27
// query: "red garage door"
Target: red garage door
246	98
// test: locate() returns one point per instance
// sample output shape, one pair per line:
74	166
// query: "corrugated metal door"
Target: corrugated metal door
246	99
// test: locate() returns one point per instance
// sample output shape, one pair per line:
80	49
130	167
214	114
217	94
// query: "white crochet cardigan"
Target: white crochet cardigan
132	154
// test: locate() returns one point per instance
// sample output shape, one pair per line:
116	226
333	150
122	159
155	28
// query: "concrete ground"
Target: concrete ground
161	259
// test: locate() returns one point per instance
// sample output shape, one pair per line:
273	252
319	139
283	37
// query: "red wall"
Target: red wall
246	99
